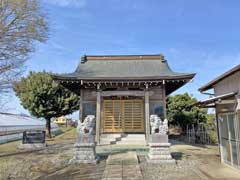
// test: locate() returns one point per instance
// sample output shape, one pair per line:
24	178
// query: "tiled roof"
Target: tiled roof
124	67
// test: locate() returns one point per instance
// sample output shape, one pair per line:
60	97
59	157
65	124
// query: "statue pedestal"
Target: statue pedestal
159	150
85	150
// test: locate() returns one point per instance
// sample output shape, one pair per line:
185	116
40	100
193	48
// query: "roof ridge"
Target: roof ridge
126	55
85	58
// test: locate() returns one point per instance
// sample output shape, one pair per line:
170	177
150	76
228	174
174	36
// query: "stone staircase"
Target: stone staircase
123	139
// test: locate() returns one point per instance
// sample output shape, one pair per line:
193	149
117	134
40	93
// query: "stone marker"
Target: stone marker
33	139
85	145
158	141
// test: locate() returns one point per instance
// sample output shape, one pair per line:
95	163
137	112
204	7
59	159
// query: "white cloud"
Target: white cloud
64	3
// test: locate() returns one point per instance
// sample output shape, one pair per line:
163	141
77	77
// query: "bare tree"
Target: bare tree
22	25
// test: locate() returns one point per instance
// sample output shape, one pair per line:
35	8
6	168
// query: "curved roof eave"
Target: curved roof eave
175	77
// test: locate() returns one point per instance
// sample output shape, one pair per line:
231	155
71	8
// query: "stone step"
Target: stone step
105	142
135	139
132	139
130	143
110	135
107	139
134	135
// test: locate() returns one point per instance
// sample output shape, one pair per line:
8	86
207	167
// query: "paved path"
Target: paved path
122	166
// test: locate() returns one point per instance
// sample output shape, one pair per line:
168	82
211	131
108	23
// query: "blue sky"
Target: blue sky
195	36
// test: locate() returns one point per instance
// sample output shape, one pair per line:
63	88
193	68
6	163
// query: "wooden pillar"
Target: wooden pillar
98	114
81	106
147	123
164	99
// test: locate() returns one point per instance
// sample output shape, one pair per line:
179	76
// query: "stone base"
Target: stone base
35	146
160	153
85	154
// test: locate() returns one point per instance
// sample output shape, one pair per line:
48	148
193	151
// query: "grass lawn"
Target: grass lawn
16	164
66	133
193	161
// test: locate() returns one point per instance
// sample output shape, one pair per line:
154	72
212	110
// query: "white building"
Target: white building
226	102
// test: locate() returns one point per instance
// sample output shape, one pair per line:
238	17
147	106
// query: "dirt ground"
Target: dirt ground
193	162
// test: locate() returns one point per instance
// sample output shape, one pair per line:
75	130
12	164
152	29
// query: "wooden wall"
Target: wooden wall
157	94
224	108
227	85
89	95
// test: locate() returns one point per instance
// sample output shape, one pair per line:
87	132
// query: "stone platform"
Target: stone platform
85	150
160	153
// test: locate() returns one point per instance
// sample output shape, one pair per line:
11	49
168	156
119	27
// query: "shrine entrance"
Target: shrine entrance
123	116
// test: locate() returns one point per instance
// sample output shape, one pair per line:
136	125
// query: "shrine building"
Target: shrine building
122	91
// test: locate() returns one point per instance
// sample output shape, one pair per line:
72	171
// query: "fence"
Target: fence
198	134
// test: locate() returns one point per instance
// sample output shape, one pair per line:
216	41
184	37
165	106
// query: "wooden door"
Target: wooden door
123	116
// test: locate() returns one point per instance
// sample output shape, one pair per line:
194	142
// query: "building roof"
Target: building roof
212	100
7	119
210	84
123	67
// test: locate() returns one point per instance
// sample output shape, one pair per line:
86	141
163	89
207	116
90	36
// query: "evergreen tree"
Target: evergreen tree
43	97
181	112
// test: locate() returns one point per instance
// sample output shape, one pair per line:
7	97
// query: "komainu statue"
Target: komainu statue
159	151
85	146
155	122
158	126
87	126
163	128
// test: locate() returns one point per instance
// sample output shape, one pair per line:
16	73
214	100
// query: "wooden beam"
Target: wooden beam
98	115
81	106
147	114
164	99
123	93
233	101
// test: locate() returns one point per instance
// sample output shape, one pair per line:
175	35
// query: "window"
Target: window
224	126
229	125
238	125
